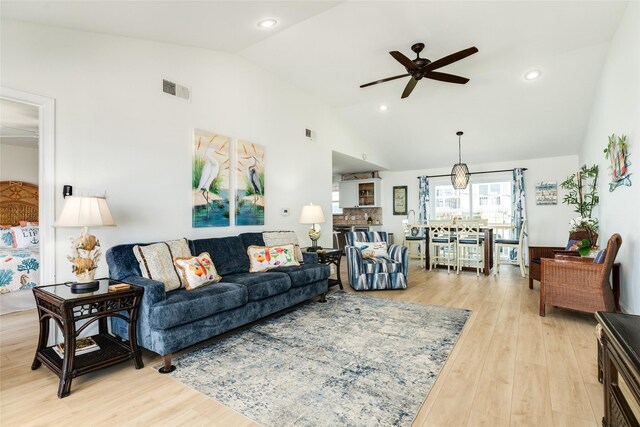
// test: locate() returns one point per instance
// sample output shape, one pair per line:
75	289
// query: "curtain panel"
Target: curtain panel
423	200
518	208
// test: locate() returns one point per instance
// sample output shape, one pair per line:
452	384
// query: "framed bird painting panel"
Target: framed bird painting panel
210	179
249	183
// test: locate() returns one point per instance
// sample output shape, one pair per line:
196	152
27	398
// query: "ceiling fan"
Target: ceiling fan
422	67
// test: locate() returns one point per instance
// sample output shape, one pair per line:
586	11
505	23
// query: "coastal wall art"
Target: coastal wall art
617	152
210	179
249	183
547	193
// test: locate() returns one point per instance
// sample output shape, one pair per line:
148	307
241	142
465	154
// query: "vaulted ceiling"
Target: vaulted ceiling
330	48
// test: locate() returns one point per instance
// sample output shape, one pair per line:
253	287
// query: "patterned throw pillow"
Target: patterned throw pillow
197	271
6	238
600	256
572	245
156	262
265	258
372	249
276	238
26	237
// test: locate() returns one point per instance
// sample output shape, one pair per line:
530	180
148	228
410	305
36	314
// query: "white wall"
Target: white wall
18	163
116	131
617	110
548	225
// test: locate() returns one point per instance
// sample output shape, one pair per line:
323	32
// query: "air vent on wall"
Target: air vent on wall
174	89
310	134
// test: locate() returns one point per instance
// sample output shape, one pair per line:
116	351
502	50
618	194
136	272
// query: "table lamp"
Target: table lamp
85	212
312	214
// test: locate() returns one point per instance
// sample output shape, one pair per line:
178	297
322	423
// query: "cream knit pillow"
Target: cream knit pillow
156	262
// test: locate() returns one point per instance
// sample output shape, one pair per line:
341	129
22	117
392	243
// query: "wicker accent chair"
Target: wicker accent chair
537	253
579	283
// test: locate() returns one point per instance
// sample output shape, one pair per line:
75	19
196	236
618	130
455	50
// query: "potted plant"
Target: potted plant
582	193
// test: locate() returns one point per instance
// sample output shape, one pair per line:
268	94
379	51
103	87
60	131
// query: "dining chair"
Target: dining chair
470	243
414	243
514	246
442	244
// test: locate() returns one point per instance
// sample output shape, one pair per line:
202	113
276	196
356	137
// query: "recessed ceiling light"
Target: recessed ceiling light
532	75
383	107
267	23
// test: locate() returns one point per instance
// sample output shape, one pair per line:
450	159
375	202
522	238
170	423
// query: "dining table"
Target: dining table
488	248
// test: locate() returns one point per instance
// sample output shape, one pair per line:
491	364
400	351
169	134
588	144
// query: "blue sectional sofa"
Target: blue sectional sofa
171	321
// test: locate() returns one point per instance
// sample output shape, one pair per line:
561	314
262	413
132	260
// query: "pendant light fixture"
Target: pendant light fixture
460	171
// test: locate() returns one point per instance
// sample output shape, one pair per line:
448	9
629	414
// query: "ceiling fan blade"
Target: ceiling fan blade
451	58
409	87
384	80
444	77
403	60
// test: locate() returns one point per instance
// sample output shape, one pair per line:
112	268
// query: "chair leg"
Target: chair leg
542	300
530	282
496	257
521	259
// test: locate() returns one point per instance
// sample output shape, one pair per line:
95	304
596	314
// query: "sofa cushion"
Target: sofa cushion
252	239
381	265
261	285
182	306
228	253
302	275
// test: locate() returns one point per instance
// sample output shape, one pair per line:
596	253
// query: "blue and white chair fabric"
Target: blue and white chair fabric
442	244
470	240
389	271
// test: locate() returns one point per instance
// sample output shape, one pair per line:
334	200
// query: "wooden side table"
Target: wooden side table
620	342
65	308
331	256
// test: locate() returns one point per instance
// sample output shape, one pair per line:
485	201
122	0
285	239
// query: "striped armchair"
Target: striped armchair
381	272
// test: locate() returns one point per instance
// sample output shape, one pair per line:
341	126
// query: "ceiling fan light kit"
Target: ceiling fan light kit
460	171
423	68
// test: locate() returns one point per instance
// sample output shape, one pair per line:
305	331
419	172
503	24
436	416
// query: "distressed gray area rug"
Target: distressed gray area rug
353	361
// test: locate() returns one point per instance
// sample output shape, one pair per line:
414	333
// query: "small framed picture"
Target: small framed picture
546	193
400	200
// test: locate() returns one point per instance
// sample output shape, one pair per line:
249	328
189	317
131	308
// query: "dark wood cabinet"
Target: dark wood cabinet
620	357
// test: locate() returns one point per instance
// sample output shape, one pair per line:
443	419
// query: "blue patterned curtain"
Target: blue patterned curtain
423	200
518	208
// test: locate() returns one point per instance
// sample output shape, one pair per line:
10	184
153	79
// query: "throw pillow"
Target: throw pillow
156	261
197	271
276	238
265	258
600	256
26	237
572	245
6	238
372	249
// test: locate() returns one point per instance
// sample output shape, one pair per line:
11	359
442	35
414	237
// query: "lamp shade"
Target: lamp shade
312	214
85	212
460	176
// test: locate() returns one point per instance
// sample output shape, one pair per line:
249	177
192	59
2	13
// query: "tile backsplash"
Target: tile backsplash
358	216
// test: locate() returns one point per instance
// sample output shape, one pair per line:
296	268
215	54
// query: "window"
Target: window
335	199
487	200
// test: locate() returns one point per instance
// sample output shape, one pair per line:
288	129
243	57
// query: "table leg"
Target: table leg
488	252
66	374
426	249
133	338
339	258
42	338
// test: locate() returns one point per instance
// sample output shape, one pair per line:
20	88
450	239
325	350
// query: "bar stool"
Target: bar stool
470	242
513	245
442	244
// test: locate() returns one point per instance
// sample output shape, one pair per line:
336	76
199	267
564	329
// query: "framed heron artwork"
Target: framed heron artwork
249	183
210	179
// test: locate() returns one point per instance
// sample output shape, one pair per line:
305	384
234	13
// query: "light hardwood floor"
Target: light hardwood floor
509	367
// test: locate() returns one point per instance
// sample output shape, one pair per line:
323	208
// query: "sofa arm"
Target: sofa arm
153	290
355	266
400	254
310	257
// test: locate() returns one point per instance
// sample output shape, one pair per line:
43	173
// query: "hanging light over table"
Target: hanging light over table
460	171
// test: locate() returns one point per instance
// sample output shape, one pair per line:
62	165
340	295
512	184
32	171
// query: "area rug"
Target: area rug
353	361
